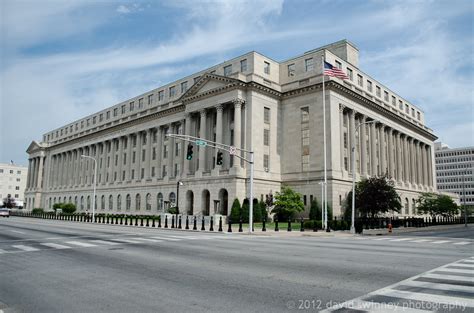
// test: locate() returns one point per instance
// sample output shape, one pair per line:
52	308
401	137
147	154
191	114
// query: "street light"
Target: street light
322	183
179	183
354	173
95	177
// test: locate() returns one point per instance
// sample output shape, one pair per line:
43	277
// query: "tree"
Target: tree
68	208
257	211
315	211
9	202
373	196
436	204
287	203
57	206
235	211
263	210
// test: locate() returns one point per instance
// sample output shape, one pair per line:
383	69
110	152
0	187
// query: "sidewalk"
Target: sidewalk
403	230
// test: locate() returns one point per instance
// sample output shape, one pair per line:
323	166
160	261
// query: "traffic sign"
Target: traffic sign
232	150
201	143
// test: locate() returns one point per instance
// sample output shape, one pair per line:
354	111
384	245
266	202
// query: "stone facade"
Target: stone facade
252	102
13	181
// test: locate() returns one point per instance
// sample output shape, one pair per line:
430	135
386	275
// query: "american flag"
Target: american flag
334	71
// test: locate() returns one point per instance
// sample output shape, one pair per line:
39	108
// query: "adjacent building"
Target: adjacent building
454	171
13	182
273	108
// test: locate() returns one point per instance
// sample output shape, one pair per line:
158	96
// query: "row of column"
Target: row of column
144	154
35	172
380	149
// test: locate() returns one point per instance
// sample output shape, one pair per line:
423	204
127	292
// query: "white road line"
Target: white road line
182	237
54	245
165	238
464	265
25	248
402	239
467	261
125	240
455	270
104	242
384	238
441	241
3	251
373	307
81	244
421	240
417	296
17	231
148	239
450	277
438	286
462	243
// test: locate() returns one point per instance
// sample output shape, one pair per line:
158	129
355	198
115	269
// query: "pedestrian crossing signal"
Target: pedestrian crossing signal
189	154
219	158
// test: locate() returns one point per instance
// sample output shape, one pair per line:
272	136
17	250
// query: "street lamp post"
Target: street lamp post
354	172
322	183
464	199
95	183
179	183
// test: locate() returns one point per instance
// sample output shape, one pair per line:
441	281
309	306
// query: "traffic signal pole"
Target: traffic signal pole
232	151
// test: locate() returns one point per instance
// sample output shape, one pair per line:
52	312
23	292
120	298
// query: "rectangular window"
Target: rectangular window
172	91
153	154
369	86
184	87
418	115
134	154
143	155
133	174
400	104
243	65
378	91
291	70
161	95
123	111
107	115
359	80
407	109
152	171
227	70
87	122
266	115
350	74
385	95
266	67
132	107
413	112
394	101
338	64
176	148
101	117
164	171
93	121
308	64
266	137
165	152
150	99
140	103
345	140
142	174
115	112
266	161
305	138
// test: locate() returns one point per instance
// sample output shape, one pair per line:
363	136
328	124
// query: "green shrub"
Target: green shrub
235	211
68	208
310	224
173	210
37	211
57	206
315	210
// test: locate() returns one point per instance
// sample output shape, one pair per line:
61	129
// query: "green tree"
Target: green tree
257	211
315	211
57	206
68	208
9	202
436	204
287	203
235	211
263	210
373	196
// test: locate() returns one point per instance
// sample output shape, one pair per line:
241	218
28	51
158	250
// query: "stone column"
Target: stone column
202	134
352	140
341	136
40	172
171	151
64	170
398	157
407	160
219	131
429	166
159	151
119	167
237	129
363	147
33	173
187	131
373	150
419	162
383	156
28	178
148	155
391	166
138	157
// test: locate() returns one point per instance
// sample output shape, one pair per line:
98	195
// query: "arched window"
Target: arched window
64	200
148	202
407	208
172	197
159	202
413	206
70	199
102	203
119	203
88	203
111	203
137	202
49	203
75	201
128	202
82	203
54	202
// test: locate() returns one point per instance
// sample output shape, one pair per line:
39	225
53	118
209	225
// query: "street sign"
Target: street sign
232	150
201	143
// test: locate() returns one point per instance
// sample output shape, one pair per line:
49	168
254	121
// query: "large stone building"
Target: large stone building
13	182
454	171
273	108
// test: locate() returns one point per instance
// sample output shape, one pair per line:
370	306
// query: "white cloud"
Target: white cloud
123	9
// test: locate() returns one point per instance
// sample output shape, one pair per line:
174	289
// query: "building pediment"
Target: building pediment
34	147
210	84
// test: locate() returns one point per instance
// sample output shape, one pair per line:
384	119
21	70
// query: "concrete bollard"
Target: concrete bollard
220	224
276	224
153	222
289	224
172	221
179	222
195	223
136	220
302	226
264	228
229	228
211	228
159	221
202	224
187	222
141	221
166	221
240	225
147	221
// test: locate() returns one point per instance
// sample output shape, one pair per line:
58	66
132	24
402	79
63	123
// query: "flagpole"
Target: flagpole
325	158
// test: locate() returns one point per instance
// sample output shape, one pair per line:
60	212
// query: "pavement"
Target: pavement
59	266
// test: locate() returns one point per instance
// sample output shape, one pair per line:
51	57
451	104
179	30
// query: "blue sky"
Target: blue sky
62	60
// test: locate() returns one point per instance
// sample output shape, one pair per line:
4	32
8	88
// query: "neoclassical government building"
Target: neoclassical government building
253	102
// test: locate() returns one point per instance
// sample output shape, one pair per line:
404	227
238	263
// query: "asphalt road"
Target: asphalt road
58	266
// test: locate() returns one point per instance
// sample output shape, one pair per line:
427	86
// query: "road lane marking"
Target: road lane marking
402	239
384	238
165	238
3	251
17	231
441	241
450	277
54	245
104	242
81	244
25	248
421	240
462	243
125	240
438	286
148	239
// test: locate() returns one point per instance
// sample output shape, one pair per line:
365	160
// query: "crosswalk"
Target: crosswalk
417	240
444	289
113	241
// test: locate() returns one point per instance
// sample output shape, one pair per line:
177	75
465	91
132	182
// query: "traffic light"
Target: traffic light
189	154
219	158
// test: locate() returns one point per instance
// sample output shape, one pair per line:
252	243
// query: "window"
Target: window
115	112
140	103
101	118
18	172
350	74
128	202
407	109
338	64
385	95
266	115
159	201
172	197
184	87
369	86
359	80
308	64
345	140
165	152
172	91
138	200
266	67
107	115
378	91
132	107
148	202
418	115
161	95
413	112
394	101
163	173
243	65
93	121
305	138
150	99
111	203
291	70
266	161
400	104
266	137
119	203
227	70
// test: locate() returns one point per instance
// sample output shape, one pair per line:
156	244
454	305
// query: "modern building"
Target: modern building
13	182
454	171
253	102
